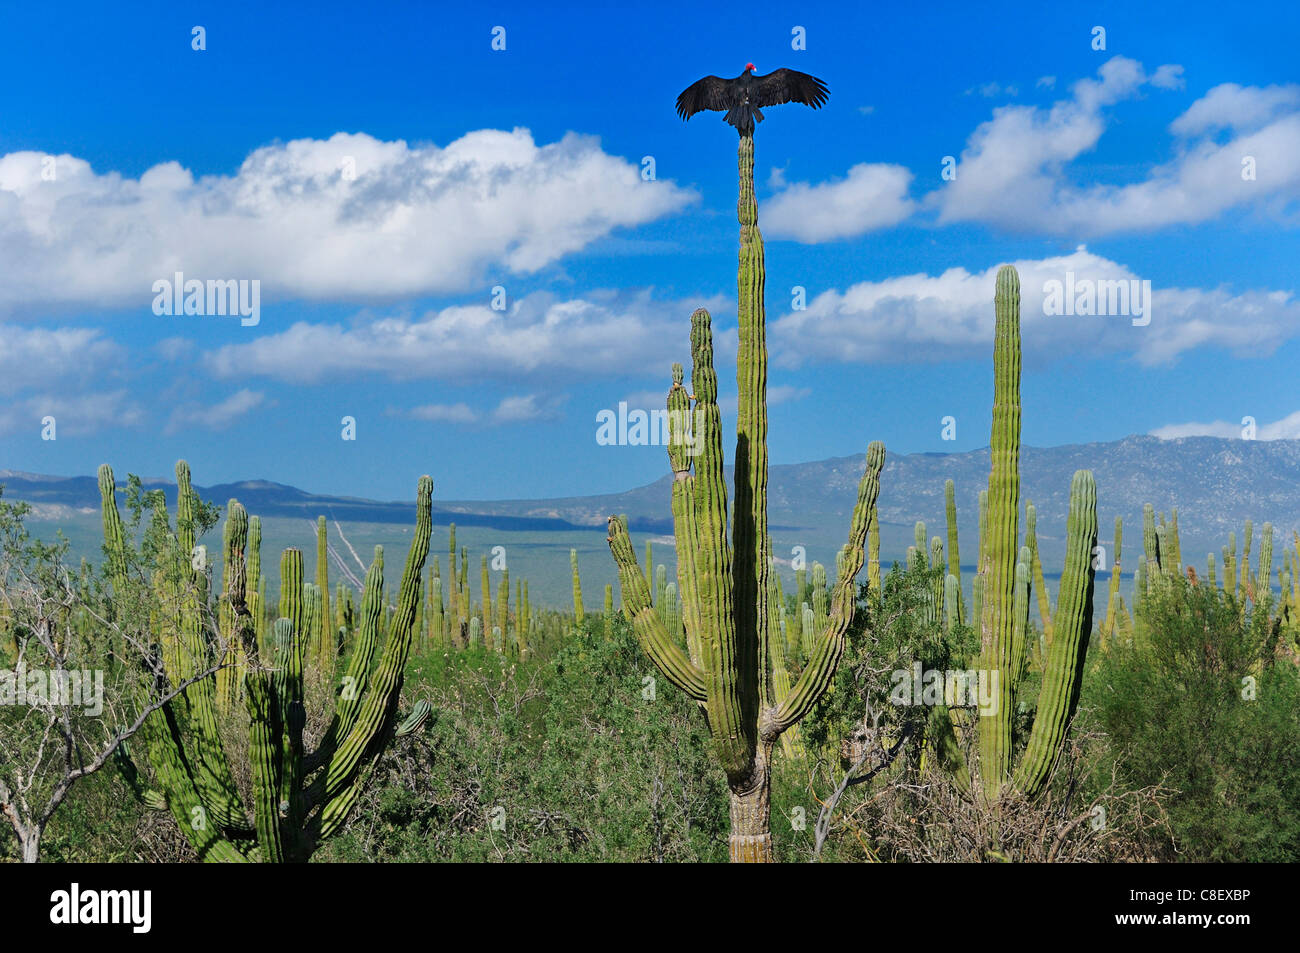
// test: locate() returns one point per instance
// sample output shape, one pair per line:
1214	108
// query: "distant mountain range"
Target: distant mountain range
1215	483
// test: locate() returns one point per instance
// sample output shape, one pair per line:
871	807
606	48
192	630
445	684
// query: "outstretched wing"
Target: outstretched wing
712	92
788	86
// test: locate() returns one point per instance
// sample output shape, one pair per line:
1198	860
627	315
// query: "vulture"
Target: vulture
745	96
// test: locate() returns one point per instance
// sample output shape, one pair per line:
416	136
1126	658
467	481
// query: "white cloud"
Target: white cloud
218	416
32	357
924	318
1239	108
1045	82
605	333
415	219
871	196
1012	171
74	414
1288	428
511	410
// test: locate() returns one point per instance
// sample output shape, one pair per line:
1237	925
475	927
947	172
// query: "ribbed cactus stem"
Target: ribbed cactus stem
577	587
998	552
1036	568
324	634
954	555
1244	577
503	605
1150	544
1020	649
1108	628
1063	675
873	553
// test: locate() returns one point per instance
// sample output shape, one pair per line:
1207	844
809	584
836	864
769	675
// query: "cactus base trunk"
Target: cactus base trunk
751	811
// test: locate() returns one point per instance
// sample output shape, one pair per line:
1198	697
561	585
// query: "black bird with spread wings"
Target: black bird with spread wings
744	96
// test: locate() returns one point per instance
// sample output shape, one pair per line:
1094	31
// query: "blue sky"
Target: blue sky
523	168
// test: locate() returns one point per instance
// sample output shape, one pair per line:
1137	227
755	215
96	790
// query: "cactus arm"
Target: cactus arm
649	628
264	755
379	710
1036	567
1063	675
817	674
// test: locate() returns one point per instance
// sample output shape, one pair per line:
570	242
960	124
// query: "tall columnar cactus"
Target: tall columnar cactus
437	624
1264	581
998	576
253	579
1108	627
503	605
577	587
1036	570
485	587
298	798
725	586
234	581
525	620
453	589
324	634
873	553
726	667
609	609
954	555
1245	560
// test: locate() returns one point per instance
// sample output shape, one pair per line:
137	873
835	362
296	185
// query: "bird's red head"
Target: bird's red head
750	67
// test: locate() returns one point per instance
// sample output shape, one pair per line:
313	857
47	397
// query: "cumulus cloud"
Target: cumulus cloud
925	318
347	217
218	416
871	196
1288	428
1011	172
74	414
1239	108
605	333
33	357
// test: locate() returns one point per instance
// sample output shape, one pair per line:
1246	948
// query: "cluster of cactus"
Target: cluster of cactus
1006	569
451	619
725	586
299	797
1249	585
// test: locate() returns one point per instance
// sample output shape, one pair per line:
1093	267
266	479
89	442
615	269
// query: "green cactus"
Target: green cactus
1112	598
577	587
234	582
298	799
1002	648
1036	568
730	638
1244	577
503	605
954	555
1264	581
324	634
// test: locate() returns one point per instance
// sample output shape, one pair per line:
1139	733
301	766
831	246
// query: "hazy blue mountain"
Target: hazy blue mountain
1215	484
